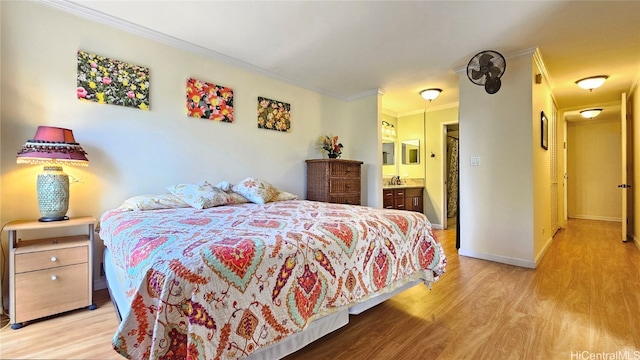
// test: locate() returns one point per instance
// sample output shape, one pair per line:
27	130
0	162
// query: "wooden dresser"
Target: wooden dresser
334	181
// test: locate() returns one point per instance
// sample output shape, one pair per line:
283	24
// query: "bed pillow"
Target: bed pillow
200	196
256	190
283	195
153	202
235	198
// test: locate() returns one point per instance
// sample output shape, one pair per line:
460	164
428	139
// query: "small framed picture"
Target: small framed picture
544	131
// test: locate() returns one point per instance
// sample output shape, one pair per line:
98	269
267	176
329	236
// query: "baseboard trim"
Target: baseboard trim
595	217
543	251
99	284
636	241
437	226
497	258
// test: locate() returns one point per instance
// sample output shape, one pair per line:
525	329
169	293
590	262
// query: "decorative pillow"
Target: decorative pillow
153	202
234	198
256	190
237	198
224	186
283	195
200	196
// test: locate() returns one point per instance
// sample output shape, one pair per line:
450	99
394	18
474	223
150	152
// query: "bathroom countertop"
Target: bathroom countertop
403	186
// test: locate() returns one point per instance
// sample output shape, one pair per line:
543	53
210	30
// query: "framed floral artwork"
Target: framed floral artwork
274	115
109	81
209	101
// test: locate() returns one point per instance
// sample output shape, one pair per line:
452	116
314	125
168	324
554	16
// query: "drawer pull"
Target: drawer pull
54	259
54	278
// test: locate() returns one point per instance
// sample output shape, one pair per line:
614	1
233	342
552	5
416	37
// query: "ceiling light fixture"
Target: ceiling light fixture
430	94
590	113
592	82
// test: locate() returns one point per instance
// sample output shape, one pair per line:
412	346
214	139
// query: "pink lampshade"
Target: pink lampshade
52	144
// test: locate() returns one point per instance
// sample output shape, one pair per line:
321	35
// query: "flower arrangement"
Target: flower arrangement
331	145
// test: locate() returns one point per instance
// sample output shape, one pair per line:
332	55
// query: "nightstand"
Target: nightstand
51	275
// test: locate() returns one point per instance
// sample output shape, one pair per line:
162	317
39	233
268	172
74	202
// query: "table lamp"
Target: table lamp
53	147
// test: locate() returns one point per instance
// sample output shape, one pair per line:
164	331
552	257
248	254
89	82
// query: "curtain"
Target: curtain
452	183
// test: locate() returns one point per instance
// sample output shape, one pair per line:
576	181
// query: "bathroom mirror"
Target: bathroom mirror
411	152
388	153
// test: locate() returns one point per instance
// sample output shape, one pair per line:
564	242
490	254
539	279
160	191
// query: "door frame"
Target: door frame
445	174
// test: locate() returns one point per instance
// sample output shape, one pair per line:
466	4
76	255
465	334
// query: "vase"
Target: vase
333	156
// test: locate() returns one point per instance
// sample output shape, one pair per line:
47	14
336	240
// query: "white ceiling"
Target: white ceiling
350	48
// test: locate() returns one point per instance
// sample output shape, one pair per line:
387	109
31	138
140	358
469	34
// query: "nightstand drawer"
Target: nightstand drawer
46	253
39	260
46	292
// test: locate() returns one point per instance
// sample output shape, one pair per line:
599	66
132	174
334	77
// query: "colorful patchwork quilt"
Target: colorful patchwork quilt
222	282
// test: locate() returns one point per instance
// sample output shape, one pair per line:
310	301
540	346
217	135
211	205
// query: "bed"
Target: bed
255	280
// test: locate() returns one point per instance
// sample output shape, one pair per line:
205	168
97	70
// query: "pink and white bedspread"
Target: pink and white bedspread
222	282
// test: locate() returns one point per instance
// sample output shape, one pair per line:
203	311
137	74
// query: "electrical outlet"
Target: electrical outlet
475	161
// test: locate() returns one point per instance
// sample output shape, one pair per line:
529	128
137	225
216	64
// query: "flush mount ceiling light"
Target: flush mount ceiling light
592	82
430	94
590	113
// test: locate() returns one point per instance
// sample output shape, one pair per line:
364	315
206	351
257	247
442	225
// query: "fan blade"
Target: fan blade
485	59
494	72
475	74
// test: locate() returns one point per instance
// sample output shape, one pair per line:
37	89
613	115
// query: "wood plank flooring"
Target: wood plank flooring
584	297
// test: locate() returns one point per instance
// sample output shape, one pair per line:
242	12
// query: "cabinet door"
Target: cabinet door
414	203
414	200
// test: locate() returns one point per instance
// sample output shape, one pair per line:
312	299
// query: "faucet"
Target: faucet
395	180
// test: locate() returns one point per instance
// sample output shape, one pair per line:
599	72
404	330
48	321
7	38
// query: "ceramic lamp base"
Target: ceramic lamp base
53	193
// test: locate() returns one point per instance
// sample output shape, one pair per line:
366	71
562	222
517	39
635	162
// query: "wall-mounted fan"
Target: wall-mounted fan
486	68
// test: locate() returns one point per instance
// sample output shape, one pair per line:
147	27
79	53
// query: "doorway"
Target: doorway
450	189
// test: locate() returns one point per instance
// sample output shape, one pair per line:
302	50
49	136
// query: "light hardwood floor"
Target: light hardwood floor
583	299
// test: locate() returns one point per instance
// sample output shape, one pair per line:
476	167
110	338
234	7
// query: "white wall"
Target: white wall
496	198
594	168
542	101
434	177
365	140
133	151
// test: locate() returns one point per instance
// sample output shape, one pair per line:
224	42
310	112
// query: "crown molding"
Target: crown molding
100	17
429	109
528	51
365	94
389	112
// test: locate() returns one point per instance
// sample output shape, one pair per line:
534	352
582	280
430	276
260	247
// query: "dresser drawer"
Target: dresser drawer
344	170
387	199
337	186
40	295
345	199
39	260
